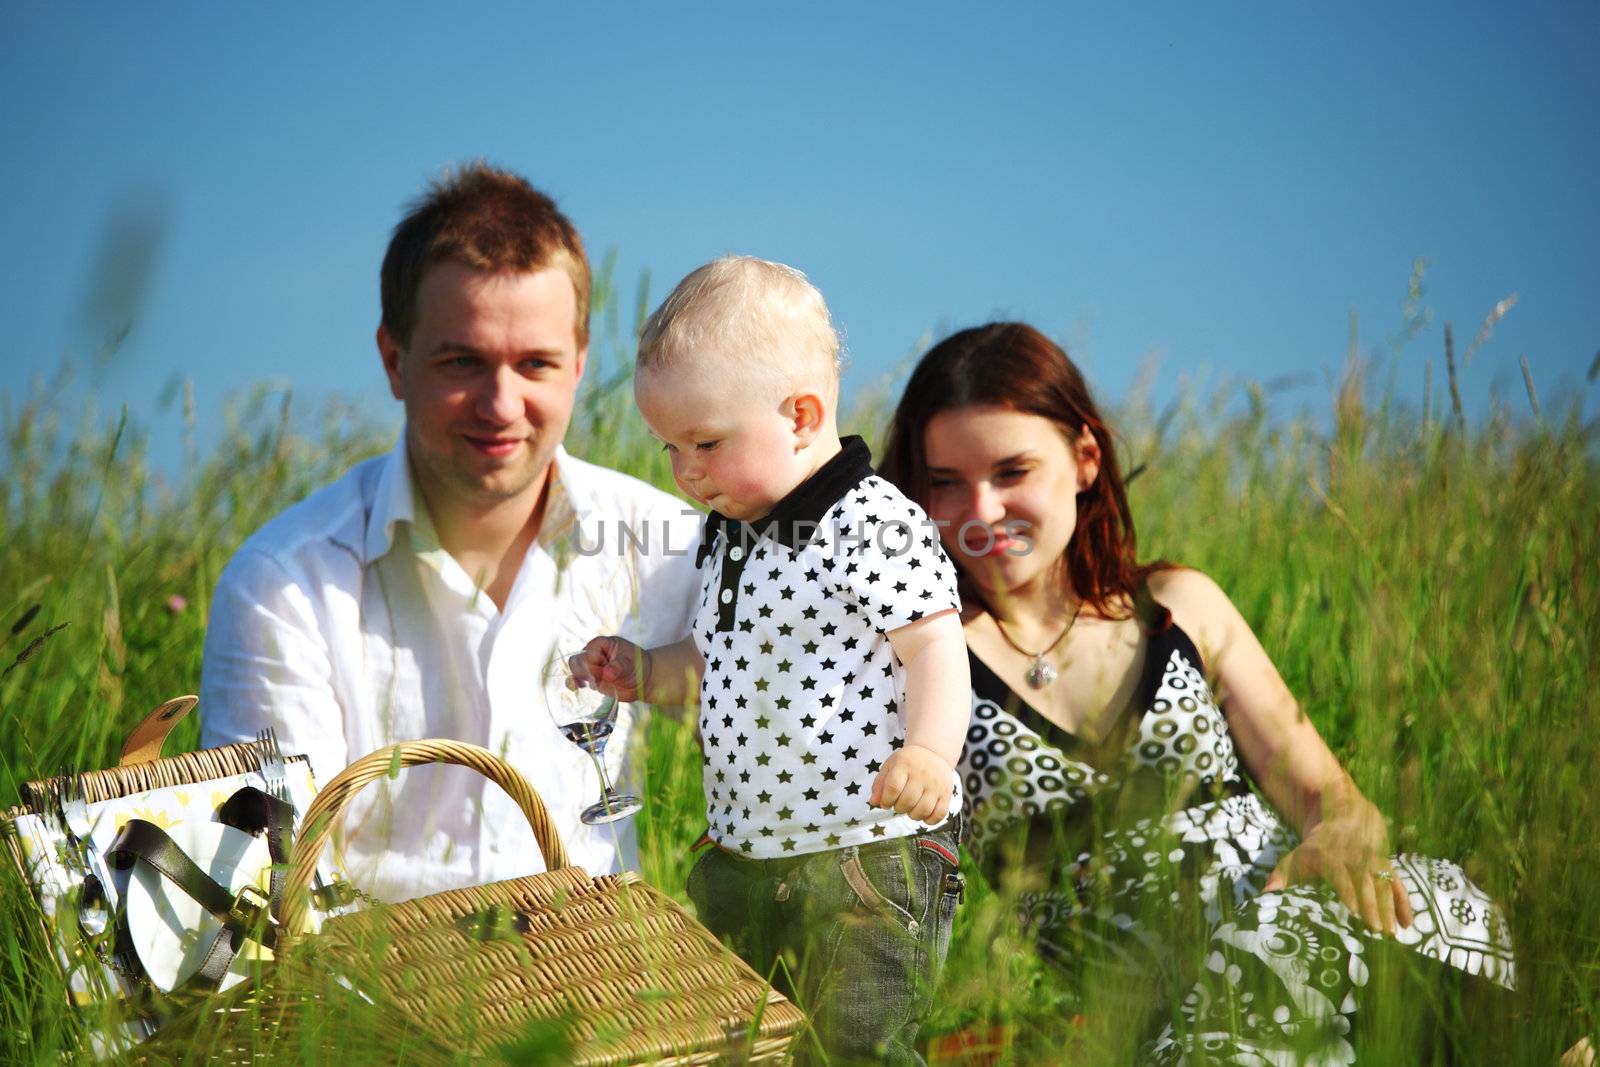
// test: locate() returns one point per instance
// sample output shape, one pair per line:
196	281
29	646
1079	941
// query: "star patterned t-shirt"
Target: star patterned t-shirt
803	699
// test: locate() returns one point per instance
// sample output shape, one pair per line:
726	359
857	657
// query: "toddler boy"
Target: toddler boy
827	657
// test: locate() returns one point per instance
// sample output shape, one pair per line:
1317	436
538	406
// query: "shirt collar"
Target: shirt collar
794	520
568	507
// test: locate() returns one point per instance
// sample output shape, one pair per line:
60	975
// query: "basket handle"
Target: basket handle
144	744
319	818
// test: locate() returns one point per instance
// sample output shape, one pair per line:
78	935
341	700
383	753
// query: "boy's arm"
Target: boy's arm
938	683
916	779
672	674
667	676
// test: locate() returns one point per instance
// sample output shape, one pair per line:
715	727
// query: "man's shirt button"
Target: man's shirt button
736	553
727	595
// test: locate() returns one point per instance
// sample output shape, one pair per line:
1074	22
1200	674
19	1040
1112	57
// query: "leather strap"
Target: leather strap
219	957
144	744
249	809
141	840
252	810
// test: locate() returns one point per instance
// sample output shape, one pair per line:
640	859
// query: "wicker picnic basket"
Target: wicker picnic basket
612	964
62	838
141	766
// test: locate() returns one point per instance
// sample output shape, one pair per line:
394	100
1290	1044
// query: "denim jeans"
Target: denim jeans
863	932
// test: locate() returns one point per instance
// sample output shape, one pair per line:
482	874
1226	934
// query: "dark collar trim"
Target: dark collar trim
1165	637
988	685
795	519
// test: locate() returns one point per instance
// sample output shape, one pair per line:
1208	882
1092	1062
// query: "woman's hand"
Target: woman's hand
1343	840
1349	849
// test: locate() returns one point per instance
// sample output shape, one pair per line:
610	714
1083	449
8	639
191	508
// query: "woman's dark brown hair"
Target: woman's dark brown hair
1012	365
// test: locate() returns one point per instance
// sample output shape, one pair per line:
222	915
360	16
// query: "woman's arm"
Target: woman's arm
1343	838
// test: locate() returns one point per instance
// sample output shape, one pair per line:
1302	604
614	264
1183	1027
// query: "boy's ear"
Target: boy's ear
808	412
1087	452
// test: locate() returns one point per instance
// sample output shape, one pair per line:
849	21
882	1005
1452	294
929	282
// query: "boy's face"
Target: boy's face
735	452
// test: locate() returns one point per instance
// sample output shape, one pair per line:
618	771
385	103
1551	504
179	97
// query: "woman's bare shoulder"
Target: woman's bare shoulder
1186	589
1198	605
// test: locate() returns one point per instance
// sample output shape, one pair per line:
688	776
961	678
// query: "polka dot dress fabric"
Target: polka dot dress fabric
802	697
1283	971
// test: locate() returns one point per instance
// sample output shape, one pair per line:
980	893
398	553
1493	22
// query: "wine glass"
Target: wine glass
586	717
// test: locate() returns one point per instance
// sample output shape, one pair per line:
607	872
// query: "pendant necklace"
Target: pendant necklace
1040	673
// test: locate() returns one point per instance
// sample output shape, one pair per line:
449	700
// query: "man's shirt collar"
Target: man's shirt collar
568	508
794	520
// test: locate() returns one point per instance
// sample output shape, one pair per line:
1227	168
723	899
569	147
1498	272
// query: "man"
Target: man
424	593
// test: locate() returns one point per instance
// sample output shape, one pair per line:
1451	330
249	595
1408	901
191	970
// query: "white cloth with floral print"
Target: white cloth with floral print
1022	773
94	973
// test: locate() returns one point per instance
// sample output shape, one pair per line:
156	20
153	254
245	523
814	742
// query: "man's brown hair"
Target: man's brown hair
490	220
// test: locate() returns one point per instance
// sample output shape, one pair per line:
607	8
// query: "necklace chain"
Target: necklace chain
1040	673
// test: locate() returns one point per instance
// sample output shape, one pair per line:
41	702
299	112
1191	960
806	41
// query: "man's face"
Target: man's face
488	383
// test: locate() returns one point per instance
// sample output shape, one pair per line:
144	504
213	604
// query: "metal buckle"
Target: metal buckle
336	894
955	885
248	907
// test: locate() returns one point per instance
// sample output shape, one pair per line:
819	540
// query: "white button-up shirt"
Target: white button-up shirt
345	626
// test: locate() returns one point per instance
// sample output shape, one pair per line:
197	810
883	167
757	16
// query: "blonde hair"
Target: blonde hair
761	323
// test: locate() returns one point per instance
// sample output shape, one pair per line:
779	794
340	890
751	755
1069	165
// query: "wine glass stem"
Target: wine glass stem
597	753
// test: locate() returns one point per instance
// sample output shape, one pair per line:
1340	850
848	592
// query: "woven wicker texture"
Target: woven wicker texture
619	966
319	820
184	769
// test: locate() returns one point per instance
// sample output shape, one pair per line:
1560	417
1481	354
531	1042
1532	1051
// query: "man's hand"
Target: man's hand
914	781
615	666
1350	851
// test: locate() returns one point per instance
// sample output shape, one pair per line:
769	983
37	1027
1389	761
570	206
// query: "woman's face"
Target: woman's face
1003	489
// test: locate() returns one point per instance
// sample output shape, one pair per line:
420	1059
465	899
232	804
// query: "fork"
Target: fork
74	807
274	771
71	817
270	760
68	815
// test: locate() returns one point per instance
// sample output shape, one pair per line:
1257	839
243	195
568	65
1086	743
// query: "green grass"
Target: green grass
1427	589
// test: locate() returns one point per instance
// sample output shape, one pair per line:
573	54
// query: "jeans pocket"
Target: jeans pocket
886	881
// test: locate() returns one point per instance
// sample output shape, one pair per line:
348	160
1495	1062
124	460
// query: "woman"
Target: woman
1121	714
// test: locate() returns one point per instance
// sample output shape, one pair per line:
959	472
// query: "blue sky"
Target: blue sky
1217	185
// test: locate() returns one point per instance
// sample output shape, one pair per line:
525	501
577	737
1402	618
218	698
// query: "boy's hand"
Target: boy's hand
615	666
914	781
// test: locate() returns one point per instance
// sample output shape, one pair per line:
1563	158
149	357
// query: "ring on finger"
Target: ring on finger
1384	876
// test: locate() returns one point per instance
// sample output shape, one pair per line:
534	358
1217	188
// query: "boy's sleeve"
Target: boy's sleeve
887	559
